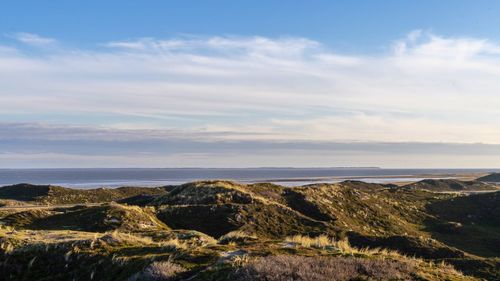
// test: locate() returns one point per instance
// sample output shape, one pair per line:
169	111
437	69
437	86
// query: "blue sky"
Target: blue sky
349	25
249	83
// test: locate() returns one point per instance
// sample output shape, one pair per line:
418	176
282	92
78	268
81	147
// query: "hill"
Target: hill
495	177
102	218
56	195
222	230
471	223
228	207
441	185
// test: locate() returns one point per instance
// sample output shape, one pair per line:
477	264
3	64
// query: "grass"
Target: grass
24	218
237	236
494	177
342	246
283	268
212	229
321	241
107	256
120	238
102	218
440	185
470	223
135	252
56	195
160	271
175	244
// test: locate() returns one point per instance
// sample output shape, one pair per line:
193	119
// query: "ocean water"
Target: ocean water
91	178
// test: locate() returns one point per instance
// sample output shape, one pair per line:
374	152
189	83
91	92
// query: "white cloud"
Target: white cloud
429	89
33	39
221	45
427	45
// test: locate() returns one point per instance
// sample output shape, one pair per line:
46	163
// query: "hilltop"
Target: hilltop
450	185
495	177
222	230
106	217
57	195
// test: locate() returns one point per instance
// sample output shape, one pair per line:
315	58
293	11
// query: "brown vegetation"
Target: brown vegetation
159	271
297	268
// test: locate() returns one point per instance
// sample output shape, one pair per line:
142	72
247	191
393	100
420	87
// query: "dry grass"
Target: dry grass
6	247
239	261
321	241
236	236
11	203
120	238
297	268
175	244
160	271
427	270
45	236
10	236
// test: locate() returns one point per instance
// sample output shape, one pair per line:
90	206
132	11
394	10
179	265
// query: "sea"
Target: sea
110	177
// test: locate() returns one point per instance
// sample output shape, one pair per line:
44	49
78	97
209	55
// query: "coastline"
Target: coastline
392	178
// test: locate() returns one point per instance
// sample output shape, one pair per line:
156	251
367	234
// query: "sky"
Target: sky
393	84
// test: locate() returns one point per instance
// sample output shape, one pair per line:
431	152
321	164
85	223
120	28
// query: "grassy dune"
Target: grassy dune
220	230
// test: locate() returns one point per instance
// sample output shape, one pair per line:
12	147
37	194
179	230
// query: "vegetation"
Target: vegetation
494	177
159	271
469	223
451	185
220	230
56	195
102	218
282	268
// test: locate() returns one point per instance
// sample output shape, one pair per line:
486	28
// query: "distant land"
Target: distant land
109	177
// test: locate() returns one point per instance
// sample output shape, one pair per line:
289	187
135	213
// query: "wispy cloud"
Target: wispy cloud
64	132
427	88
228	46
33	39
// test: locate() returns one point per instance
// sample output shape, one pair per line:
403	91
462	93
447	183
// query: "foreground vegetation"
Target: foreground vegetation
220	230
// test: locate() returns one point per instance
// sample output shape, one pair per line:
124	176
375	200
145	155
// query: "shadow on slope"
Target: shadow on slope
470	223
219	207
95	219
54	195
440	185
